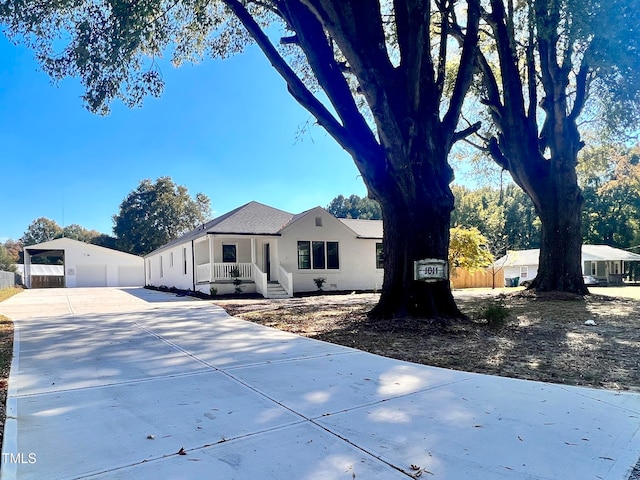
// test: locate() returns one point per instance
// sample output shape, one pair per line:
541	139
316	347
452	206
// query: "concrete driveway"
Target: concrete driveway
135	384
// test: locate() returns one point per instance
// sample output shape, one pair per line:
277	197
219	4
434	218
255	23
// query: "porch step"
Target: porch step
275	290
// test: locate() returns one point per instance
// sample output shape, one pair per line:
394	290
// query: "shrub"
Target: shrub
235	274
319	282
495	313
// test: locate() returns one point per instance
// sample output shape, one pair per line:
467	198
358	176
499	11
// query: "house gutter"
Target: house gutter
245	234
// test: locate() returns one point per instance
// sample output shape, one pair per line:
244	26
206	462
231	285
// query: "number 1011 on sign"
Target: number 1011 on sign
430	270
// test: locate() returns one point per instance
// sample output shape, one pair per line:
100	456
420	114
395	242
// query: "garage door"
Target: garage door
91	275
130	276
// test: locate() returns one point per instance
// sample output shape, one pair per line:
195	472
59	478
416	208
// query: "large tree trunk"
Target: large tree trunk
552	184
416	227
560	266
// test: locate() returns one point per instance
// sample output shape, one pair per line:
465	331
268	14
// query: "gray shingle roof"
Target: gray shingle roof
253	218
364	228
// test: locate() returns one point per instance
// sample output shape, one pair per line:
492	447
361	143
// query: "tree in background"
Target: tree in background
468	250
547	64
506	217
156	213
14	250
78	232
394	81
104	240
610	179
355	207
7	261
44	229
41	230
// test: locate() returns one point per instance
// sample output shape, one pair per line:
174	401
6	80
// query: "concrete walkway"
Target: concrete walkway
114	383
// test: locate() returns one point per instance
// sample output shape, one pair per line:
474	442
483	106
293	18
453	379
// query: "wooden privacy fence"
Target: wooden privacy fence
483	278
47	281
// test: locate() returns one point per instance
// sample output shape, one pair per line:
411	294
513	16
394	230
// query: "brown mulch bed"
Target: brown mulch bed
543	338
6	351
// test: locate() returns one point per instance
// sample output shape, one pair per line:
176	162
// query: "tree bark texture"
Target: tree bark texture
416	227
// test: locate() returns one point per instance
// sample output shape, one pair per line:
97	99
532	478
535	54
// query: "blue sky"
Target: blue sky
226	128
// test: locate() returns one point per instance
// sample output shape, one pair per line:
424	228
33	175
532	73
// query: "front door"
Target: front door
267	261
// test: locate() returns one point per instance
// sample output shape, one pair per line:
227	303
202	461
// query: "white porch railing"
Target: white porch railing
260	279
222	271
286	280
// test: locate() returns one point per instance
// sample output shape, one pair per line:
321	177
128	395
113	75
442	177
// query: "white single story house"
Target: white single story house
85	265
603	262
275	253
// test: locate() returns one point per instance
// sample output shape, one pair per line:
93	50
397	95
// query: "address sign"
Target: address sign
430	270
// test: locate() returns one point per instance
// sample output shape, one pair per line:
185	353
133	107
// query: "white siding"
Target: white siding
357	256
130	276
516	271
171	275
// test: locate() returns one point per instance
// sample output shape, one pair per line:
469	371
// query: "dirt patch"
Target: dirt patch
6	351
543	338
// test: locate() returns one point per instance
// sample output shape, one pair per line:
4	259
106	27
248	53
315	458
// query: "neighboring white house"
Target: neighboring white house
276	253
86	265
603	262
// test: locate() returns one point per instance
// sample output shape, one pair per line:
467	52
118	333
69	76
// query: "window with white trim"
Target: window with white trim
524	272
379	255
229	253
318	255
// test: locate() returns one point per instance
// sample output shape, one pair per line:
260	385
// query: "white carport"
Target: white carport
87	265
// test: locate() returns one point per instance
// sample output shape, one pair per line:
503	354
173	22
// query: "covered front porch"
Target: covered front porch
606	272
219	260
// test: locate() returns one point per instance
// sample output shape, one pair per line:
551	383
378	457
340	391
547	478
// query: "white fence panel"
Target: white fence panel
7	279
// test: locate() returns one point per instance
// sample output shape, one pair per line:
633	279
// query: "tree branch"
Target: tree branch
295	86
445	10
532	83
462	134
358	31
582	87
414	41
466	66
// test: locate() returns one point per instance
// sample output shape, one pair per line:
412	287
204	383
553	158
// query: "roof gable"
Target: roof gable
252	218
317	212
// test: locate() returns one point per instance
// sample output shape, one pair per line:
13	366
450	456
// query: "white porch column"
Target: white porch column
253	250
27	269
210	249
